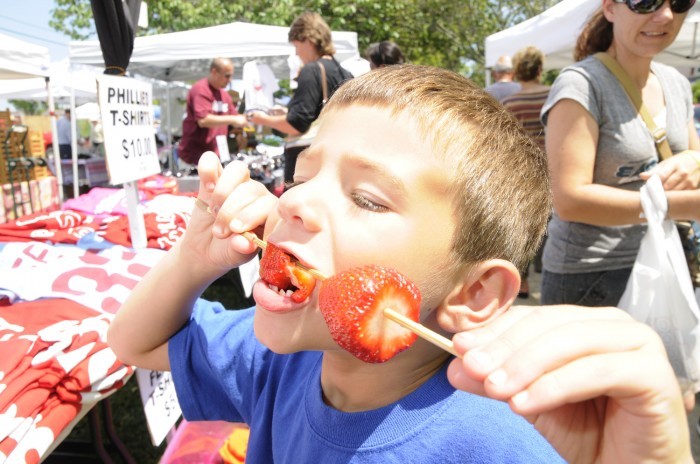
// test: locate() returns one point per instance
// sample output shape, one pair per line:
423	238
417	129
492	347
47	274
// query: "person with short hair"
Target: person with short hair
384	53
455	197
525	105
210	112
502	74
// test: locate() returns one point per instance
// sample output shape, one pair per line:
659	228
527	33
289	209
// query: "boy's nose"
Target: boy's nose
299	204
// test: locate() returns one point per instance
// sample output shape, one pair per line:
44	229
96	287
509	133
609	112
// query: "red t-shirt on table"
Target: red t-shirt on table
202	100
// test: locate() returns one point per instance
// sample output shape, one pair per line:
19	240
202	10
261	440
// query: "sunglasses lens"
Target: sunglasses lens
649	6
681	6
644	6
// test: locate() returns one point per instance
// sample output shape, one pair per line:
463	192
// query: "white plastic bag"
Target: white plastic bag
659	291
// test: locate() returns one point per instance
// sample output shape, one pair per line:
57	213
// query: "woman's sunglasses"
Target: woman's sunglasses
650	6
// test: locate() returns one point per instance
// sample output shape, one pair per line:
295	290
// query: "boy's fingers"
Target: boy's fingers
527	322
229	179
209	169
607	374
245	210
510	366
461	380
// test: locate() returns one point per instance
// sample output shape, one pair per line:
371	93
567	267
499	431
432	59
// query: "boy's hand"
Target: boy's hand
594	382
236	204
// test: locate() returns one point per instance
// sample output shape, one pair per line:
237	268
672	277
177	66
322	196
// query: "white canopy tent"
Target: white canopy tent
25	60
555	32
21	60
64	79
185	56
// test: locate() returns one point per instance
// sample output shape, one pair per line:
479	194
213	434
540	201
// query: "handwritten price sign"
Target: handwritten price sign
159	402
127	122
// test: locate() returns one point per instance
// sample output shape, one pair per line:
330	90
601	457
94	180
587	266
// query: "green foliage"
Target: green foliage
431	32
549	76
696	91
29	107
285	90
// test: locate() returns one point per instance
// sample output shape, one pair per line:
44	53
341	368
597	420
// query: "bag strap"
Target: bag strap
659	134
324	83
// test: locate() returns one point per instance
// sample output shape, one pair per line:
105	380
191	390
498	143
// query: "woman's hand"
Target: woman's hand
679	172
256	117
236	204
594	382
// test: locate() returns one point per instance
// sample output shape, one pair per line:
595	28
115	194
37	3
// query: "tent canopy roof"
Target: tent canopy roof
555	32
185	56
21	60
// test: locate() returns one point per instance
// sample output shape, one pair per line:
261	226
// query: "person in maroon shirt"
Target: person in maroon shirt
210	111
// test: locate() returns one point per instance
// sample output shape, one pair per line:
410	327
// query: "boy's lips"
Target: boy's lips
270	300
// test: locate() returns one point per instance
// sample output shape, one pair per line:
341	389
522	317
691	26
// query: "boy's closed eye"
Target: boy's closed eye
365	203
359	199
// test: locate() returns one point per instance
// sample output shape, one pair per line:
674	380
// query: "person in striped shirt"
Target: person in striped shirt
525	105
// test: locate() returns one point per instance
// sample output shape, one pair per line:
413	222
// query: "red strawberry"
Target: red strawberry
352	303
277	268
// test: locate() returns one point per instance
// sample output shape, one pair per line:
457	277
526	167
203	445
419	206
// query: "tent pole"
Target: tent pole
54	143
171	158
74	138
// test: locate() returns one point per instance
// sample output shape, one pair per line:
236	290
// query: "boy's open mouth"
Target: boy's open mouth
279	272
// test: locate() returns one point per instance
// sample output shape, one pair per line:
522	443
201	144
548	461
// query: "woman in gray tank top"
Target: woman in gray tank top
600	151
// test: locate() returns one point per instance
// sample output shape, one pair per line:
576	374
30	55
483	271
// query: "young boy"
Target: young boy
413	168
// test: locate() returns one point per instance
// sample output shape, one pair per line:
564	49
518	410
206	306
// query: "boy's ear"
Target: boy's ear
484	293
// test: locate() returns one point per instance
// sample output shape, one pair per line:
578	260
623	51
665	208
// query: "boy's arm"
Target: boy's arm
161	303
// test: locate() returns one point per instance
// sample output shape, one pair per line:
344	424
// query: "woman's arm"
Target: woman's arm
571	140
277	121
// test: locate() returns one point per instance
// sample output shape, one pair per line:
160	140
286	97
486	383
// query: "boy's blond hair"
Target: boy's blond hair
311	26
500	178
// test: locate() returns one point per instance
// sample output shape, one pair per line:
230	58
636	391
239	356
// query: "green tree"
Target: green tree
433	32
29	107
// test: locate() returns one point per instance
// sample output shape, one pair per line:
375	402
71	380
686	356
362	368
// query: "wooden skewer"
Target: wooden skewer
317	275
422	331
254	238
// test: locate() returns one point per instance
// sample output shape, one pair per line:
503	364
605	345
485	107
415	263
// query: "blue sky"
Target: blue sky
28	20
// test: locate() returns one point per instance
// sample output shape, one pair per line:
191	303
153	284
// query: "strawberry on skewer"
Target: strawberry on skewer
278	270
358	305
353	303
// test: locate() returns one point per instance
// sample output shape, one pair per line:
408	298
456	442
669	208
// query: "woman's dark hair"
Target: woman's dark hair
596	36
384	54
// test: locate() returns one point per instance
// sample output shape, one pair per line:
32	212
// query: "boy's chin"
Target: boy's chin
284	333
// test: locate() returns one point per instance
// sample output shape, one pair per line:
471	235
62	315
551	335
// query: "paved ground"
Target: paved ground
535	280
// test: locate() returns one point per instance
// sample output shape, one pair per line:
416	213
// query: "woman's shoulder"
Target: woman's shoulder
589	68
665	71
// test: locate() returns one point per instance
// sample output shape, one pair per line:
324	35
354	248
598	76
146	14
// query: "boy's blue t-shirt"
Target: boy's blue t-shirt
222	372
